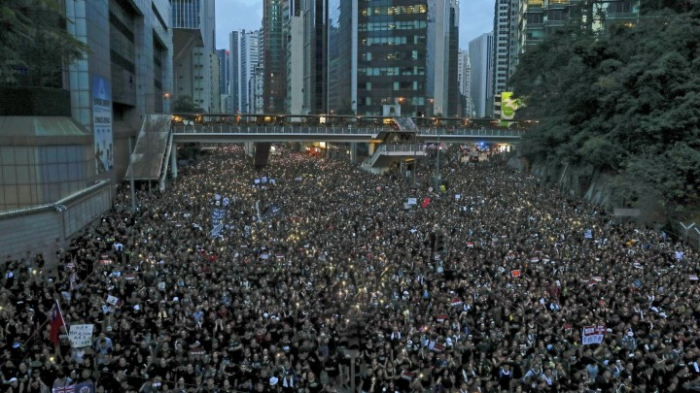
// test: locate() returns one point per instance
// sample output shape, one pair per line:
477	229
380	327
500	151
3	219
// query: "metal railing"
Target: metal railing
342	130
476	132
394	148
399	148
306	130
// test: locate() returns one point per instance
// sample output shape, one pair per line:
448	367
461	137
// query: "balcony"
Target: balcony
617	16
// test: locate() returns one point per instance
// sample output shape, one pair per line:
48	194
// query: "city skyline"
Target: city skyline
476	18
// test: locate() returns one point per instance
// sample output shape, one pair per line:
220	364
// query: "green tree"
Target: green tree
185	104
34	43
623	101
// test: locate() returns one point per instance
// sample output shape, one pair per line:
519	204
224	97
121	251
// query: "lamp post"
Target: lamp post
131	178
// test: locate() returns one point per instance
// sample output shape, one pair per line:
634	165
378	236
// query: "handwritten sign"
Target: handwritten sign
80	335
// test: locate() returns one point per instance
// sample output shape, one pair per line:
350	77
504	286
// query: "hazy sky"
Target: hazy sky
476	18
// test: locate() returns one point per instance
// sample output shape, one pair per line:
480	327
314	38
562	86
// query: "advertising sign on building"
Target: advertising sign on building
102	124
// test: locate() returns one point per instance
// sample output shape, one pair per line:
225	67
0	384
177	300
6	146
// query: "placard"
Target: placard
80	336
592	335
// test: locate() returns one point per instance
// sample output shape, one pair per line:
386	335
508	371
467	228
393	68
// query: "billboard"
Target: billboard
102	124
508	105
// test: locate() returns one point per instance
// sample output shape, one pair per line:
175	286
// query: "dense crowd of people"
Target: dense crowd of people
483	285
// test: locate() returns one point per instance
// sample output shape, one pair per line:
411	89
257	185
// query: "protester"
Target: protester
483	287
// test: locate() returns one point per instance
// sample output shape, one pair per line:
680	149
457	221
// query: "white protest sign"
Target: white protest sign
412	201
458	197
592	335
80	335
257	181
112	300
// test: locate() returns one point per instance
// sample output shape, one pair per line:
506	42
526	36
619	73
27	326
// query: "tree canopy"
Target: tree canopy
185	104
34	43
624	101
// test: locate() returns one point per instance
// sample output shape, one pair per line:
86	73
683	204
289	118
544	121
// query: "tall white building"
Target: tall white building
193	43
255	91
464	70
507	43
294	31
249	51
481	56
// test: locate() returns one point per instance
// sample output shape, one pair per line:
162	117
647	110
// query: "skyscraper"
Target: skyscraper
391	58
342	57
234	72
314	13
295	57
275	56
464	69
194	43
542	16
222	56
506	42
481	56
249	59
215	74
442	90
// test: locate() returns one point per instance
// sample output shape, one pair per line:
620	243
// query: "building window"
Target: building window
620	7
556	15
534	18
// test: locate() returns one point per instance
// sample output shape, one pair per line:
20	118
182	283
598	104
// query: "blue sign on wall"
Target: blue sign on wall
102	124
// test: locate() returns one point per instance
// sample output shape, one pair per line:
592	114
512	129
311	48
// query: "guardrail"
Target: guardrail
394	148
476	132
401	148
308	130
344	130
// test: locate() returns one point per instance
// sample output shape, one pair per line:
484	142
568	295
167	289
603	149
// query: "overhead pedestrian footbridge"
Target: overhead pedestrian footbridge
225	134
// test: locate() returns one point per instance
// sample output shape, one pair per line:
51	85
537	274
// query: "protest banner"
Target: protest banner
592	335
80	336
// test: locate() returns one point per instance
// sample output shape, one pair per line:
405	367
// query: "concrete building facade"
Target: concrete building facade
274	52
193	23
481	56
234	92
61	155
296	57
464	70
249	52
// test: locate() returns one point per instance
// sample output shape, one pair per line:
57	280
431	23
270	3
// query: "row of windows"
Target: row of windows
186	14
396	25
391	101
399	40
390	71
396	85
18	196
121	44
19	155
395	10
40	174
407	55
